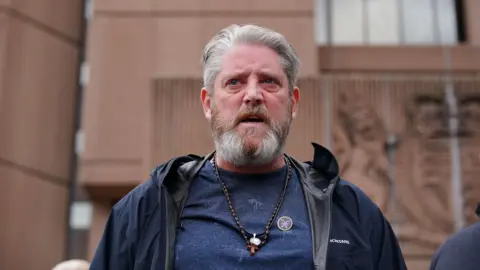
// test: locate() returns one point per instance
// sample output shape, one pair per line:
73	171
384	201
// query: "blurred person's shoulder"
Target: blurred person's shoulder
460	251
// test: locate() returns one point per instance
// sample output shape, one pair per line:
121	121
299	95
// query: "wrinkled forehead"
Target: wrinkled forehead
248	58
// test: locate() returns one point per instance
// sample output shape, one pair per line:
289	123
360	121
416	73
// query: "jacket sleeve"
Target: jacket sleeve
114	249
386	250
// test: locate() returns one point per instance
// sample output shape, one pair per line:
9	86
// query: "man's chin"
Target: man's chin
253	140
251	147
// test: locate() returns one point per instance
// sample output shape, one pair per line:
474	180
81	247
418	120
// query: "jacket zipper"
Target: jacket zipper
182	207
329	223
170	231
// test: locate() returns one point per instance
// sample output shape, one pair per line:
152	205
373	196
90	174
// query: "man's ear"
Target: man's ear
295	97
206	103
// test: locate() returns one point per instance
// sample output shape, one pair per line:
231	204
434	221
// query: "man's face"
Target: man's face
250	109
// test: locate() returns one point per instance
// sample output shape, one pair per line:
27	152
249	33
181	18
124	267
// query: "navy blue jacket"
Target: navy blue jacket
348	229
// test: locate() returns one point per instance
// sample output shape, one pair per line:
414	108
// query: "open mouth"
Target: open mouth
252	119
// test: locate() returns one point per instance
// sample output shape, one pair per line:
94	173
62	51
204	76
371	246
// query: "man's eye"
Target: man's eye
233	82
269	81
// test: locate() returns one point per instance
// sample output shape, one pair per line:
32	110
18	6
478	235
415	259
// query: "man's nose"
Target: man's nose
253	95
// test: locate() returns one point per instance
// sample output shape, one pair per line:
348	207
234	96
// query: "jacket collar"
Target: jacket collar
325	162
320	173
323	170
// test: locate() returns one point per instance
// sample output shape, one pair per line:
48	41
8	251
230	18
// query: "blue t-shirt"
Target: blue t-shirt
210	239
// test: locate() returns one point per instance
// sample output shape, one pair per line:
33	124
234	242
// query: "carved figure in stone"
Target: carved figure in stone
423	173
469	132
360	139
427	117
469	115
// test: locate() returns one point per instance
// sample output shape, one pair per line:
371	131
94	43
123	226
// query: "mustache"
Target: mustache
257	112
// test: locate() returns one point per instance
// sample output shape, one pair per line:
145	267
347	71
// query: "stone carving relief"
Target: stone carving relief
359	142
418	200
423	201
469	114
469	132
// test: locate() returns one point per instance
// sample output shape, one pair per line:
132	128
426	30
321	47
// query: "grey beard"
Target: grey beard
229	146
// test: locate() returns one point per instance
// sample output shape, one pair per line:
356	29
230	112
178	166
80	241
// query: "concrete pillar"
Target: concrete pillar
39	46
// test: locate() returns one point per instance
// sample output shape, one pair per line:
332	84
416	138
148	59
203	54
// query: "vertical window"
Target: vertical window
460	21
383	22
447	21
347	22
387	22
418	21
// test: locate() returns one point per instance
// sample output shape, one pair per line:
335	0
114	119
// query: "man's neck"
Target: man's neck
275	164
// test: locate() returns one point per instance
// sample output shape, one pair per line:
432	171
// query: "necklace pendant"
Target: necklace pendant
253	249
254	244
255	241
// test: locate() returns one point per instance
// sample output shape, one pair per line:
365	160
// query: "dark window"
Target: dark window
461	21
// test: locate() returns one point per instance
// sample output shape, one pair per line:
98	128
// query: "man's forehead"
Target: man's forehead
242	67
247	55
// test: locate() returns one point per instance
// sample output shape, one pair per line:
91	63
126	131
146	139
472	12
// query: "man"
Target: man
247	205
460	251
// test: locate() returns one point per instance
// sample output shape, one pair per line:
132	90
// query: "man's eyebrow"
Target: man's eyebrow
226	76
266	73
241	73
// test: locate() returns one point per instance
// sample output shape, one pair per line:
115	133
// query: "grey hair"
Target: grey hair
235	34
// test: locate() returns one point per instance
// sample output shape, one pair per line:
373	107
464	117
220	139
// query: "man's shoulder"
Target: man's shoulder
460	251
144	198
353	200
346	188
466	239
357	203
470	236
